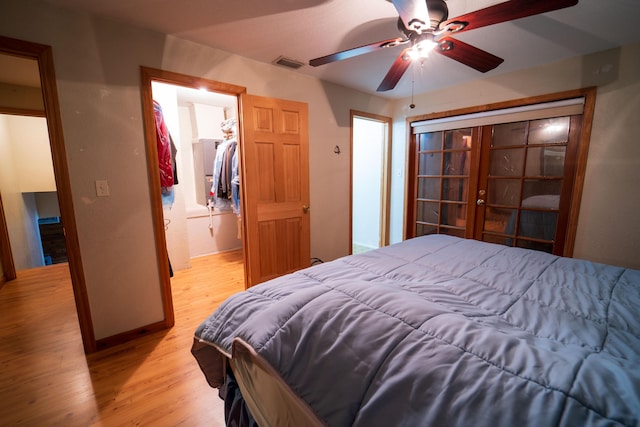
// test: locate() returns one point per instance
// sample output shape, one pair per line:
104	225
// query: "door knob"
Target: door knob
480	202
305	208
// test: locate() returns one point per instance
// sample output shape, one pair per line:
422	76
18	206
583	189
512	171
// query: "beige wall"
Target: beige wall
97	64
31	154
98	73
608	227
19	137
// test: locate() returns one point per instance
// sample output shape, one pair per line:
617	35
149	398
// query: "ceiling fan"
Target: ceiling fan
425	27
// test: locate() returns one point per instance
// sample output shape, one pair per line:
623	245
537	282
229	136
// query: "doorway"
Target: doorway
197	222
274	181
370	180
182	208
27	184
38	98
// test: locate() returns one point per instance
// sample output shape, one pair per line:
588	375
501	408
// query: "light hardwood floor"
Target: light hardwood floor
46	379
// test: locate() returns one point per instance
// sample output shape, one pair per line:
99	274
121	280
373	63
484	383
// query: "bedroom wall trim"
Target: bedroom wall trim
22	112
583	152
123	337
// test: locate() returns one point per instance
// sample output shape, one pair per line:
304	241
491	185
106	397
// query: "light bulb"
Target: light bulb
422	49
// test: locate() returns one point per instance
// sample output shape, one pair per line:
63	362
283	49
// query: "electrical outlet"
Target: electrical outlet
102	188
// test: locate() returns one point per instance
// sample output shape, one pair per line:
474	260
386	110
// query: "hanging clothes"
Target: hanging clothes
167	162
223	175
225	188
174	165
166	156
235	183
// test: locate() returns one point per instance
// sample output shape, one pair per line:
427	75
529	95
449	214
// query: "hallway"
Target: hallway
46	379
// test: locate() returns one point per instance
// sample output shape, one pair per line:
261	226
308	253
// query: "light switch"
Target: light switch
102	188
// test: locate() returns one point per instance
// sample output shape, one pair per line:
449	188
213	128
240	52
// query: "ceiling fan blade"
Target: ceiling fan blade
396	71
350	53
468	55
501	12
413	13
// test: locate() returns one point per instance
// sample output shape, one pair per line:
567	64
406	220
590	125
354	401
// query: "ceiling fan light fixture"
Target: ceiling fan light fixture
422	49
415	15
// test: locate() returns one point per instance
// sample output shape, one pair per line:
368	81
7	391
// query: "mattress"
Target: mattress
436	331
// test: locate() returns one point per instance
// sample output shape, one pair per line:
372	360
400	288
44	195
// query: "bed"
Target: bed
433	331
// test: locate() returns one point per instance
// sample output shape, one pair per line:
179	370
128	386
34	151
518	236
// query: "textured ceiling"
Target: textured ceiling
305	29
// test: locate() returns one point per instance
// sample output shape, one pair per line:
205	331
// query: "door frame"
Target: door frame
385	207
147	76
43	54
6	257
589	94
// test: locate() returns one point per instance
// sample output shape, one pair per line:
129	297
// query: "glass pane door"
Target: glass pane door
442	187
521	182
504	175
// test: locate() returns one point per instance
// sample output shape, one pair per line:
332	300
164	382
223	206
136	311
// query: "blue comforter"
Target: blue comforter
441	331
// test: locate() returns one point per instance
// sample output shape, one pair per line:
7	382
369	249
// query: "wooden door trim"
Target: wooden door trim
581	167
589	95
474	183
587	92
147	76
43	54
410	185
246	258
6	258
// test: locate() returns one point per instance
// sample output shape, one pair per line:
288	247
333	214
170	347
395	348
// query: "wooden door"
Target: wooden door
275	187
8	271
525	183
513	179
507	183
445	173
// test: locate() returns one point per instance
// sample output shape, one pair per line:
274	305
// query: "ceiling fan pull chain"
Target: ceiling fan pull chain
413	81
